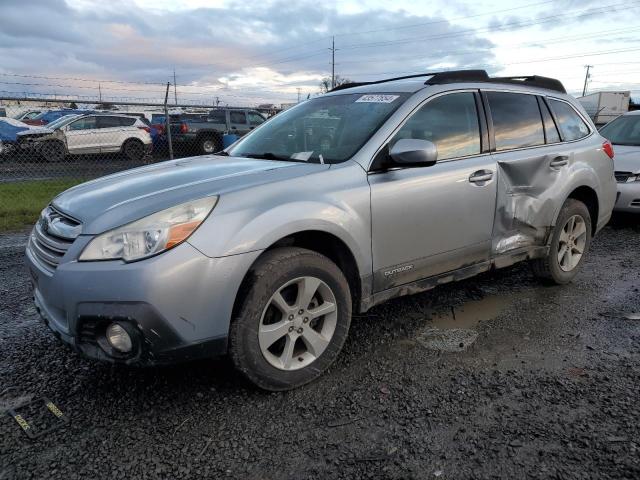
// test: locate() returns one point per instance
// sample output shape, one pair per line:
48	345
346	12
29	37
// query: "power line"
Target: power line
402	27
481	50
504	26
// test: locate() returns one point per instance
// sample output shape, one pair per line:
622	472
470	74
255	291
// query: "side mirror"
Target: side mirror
409	151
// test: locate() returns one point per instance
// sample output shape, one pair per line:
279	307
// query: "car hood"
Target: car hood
115	200
35	130
627	158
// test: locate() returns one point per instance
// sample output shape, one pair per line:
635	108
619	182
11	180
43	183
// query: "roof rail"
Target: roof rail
533	81
359	84
454	76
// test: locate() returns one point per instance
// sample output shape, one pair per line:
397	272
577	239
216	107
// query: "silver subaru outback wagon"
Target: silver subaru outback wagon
373	191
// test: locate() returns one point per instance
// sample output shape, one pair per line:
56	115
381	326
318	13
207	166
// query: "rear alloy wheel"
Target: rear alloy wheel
53	151
209	145
133	150
570	242
294	316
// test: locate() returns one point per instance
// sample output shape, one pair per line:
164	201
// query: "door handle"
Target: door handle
481	176
559	161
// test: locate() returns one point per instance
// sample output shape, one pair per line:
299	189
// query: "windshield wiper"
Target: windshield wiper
222	153
270	156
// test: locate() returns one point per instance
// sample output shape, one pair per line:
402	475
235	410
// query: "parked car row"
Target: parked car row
78	133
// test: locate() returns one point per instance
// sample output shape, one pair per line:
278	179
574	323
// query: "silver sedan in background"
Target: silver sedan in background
624	133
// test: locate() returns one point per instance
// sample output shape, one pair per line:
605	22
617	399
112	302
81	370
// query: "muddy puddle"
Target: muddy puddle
454	330
470	314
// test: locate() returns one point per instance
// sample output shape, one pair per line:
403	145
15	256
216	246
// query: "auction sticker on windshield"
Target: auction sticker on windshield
377	98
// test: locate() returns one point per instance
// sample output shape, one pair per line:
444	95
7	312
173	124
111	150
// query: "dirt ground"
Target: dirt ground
494	377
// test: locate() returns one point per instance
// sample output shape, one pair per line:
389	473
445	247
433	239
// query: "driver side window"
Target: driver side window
449	121
86	123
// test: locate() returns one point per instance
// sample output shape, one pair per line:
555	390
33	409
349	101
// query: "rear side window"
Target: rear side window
217	116
550	129
237	117
516	120
450	121
571	125
108	122
127	122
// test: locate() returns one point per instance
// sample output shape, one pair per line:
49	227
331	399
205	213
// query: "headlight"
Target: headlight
150	235
634	178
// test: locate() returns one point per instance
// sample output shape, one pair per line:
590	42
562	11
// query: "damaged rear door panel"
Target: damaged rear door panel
533	169
529	184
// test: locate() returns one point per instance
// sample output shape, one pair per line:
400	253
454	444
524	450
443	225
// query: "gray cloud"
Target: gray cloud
121	41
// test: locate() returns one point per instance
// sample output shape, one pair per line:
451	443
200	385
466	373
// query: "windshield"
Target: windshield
623	130
329	129
62	121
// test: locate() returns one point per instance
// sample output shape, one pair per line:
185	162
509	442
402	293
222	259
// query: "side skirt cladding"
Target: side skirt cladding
422	285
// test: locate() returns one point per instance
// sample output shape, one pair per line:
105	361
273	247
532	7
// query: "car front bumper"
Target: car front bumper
628	197
176	306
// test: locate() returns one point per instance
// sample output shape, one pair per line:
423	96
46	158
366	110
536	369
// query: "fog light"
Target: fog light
118	338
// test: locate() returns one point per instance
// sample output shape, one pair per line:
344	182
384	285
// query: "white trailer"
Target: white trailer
603	107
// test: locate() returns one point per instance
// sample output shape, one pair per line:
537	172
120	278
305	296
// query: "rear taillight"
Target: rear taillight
145	128
608	148
184	128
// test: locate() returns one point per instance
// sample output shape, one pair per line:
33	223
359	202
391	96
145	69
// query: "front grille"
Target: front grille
52	236
636	202
622	177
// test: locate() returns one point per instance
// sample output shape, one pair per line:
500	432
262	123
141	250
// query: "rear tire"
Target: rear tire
570	242
209	145
292	319
134	150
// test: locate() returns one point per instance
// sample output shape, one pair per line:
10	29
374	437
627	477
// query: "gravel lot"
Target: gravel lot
550	388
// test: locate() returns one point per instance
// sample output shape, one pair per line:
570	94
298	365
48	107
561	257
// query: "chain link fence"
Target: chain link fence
49	146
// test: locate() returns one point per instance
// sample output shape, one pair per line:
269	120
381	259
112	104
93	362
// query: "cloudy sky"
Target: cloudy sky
249	52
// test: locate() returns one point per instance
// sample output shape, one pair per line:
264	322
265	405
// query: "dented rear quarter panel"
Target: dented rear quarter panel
531	192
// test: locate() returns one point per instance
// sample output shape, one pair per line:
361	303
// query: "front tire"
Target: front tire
292	321
570	242
53	151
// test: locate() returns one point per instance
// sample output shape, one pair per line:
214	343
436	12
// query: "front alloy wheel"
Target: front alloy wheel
298	323
293	318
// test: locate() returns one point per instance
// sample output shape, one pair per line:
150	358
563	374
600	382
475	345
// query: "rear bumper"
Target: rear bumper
177	305
628	197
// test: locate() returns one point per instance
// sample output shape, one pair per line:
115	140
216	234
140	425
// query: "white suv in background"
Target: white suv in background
90	134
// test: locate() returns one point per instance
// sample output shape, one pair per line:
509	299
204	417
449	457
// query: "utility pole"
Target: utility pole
100	92
333	62
586	79
298	89
167	121
175	91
